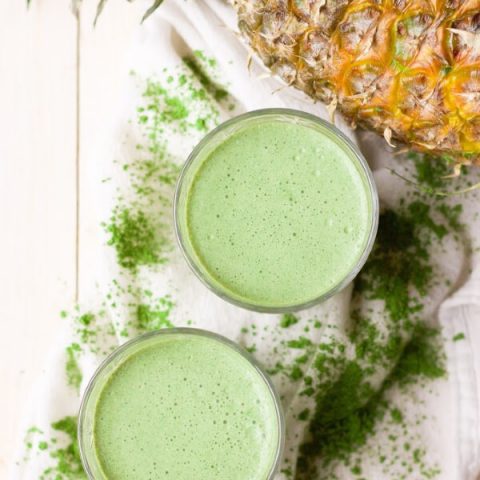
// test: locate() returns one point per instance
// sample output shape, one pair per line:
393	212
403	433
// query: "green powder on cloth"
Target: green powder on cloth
458	336
154	318
349	405
63	449
69	464
72	368
137	239
288	320
183	104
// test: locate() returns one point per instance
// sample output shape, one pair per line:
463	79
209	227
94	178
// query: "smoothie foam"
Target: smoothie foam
185	407
278	213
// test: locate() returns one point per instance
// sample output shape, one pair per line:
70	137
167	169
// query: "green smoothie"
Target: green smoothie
185	407
278	213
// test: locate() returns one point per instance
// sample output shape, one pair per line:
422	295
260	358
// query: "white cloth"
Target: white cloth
178	28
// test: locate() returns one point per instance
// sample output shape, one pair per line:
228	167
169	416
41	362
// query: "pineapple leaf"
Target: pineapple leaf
100	6
155	5
76	6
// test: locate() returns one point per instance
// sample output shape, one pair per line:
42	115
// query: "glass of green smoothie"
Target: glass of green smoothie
276	210
180	404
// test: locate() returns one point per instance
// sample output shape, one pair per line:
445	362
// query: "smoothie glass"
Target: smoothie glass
215	139
102	376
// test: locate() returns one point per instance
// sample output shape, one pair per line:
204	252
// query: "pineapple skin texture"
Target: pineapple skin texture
408	69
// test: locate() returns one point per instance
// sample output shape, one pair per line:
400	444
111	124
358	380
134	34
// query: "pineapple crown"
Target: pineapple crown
75	5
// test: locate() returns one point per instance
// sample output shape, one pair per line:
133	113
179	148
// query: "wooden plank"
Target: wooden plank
102	75
37	196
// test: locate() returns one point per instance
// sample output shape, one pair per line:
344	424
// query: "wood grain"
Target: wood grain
59	83
37	196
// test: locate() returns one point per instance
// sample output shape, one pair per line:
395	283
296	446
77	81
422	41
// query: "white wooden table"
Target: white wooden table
58	82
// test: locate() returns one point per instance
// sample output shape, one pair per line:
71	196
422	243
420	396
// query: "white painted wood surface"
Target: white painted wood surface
58	85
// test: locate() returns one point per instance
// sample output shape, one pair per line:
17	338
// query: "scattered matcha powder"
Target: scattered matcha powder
150	318
349	407
459	336
72	369
288	320
67	462
136	238
177	109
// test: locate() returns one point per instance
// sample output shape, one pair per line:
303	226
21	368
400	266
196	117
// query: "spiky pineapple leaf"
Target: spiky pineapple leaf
100	6
155	5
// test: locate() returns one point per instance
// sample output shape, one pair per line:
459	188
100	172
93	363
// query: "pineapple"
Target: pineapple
409	69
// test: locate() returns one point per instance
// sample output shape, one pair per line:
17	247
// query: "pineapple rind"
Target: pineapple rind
408	68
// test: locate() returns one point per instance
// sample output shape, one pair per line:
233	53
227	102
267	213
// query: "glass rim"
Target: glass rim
122	349
287	112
